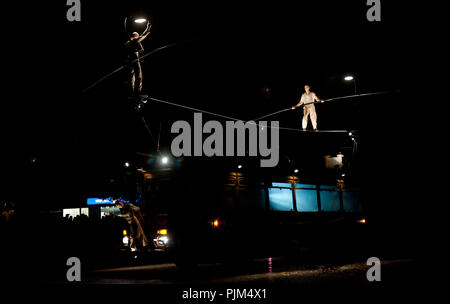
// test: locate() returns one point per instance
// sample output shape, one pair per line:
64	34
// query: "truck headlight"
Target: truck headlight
125	240
164	239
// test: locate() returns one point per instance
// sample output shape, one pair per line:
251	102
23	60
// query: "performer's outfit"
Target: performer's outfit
134	48
138	239
308	109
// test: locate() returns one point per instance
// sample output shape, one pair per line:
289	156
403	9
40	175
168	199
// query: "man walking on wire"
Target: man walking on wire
307	100
134	48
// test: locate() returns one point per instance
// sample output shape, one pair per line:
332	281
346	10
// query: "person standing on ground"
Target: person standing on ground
131	213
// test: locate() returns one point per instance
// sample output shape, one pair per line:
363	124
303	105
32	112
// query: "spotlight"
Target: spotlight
240	166
348	78
127	164
296	171
165	160
140	20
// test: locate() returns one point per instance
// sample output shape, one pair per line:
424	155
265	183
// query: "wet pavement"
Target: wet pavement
273	279
272	270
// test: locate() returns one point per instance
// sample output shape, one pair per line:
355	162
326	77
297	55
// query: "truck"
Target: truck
219	209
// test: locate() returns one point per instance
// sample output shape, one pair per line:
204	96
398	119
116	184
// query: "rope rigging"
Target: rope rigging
252	121
134	61
272	114
330	99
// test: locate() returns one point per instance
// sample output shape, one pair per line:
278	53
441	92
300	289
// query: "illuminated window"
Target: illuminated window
280	199
329	199
306	198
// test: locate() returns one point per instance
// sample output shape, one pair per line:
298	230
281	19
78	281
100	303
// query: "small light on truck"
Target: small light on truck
216	223
162	231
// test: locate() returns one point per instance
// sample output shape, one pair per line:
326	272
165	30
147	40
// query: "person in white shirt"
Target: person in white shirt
307	100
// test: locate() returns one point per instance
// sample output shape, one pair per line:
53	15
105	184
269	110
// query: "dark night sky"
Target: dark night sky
231	52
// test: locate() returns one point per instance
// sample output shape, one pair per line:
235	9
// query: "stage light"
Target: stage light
348	78
165	160
140	20
127	164
352	79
